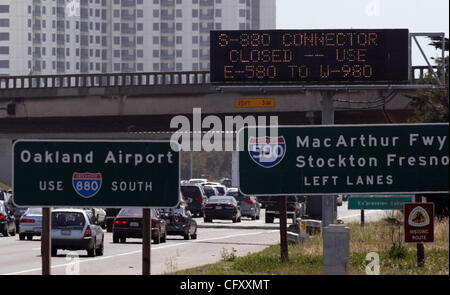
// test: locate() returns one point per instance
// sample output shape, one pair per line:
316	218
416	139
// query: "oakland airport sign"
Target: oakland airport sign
95	174
365	159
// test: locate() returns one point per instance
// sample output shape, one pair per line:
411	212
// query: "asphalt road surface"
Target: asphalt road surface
215	240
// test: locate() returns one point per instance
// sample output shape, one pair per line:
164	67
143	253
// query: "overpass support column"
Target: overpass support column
234	169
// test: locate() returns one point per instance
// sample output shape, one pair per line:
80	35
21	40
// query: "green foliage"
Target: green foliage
398	252
215	164
432	105
228	256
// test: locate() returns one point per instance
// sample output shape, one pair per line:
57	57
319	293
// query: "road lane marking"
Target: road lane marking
140	251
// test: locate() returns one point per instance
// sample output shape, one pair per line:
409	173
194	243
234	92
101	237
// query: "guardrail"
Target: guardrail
105	80
302	229
130	79
421	72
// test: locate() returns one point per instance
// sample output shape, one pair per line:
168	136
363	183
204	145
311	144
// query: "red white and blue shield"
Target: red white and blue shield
267	151
87	184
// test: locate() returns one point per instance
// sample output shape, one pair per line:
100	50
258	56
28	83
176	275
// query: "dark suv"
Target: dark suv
295	208
195	198
111	213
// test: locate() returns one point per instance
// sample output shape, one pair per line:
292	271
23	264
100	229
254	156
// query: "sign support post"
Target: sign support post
46	241
362	218
420	247
327	119
146	240
282	201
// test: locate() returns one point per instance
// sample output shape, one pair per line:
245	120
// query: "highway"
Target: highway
214	240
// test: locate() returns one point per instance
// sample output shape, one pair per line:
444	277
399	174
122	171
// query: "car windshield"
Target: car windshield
178	210
209	191
112	211
63	219
34	211
222	200
221	190
191	191
131	212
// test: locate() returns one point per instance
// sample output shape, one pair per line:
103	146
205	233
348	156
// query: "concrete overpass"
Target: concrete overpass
147	101
141	105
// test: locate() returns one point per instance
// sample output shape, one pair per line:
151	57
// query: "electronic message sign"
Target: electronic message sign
310	56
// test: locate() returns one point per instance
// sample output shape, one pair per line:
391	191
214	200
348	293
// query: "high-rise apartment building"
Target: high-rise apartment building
91	36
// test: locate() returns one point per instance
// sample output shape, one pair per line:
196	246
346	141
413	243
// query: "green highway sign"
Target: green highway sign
59	173
378	202
344	159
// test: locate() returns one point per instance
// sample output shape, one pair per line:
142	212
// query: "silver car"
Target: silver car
250	207
76	229
30	224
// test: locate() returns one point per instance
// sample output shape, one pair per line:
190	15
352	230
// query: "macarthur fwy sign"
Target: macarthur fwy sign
409	158
95	173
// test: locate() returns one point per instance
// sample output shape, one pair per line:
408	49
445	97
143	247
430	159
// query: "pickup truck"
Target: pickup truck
295	208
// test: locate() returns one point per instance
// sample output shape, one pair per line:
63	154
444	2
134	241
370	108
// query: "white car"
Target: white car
198	180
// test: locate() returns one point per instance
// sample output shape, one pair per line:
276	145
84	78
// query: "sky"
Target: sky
415	15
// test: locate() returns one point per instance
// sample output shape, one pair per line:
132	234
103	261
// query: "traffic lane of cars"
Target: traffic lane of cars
26	257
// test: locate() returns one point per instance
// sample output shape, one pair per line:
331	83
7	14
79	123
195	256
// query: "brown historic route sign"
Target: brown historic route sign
419	222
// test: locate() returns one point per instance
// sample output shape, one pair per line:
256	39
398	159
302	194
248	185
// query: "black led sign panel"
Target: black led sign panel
310	56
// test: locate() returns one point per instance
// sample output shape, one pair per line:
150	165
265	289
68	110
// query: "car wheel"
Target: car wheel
257	217
21	237
194	236
5	232
157	240
99	251
115	239
54	252
269	219
91	252
13	232
186	236
164	238
29	237
123	240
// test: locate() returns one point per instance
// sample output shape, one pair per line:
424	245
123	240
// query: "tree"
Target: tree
431	105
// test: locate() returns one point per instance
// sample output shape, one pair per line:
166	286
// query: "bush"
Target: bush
398	252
